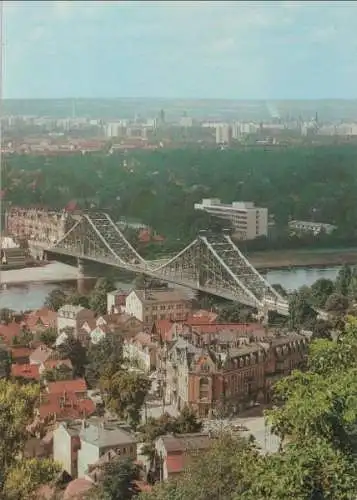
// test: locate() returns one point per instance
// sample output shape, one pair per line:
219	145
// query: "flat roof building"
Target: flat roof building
247	220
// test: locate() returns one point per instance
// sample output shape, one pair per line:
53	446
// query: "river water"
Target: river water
27	288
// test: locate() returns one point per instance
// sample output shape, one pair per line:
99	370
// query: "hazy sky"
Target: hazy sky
180	49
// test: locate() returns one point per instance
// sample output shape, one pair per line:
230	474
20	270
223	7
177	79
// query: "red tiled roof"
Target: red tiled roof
25	371
8	332
43	316
175	463
70	386
41	354
20	352
70	407
144	236
77	489
163	328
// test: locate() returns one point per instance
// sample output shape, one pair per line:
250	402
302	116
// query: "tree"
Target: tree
98	298
308	470
6	315
322	329
300	311
48	336
55	299
321	291
16	411
343	280
73	350
27	475
125	394
222	472
77	299
337	303
106	357
118	482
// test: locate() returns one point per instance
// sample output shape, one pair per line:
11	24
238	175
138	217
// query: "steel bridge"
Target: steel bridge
211	263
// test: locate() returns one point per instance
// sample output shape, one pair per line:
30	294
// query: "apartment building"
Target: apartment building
36	224
150	305
230	374
247	220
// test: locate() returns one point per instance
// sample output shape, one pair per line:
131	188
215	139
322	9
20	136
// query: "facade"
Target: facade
314	228
36	224
72	318
141	350
66	444
223	134
149	306
98	437
116	301
248	221
229	374
173	453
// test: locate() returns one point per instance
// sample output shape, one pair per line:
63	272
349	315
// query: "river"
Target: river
28	288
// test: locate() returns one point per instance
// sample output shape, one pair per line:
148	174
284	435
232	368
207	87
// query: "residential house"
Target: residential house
41	354
9	332
63	365
28	372
40	320
98	437
116	301
66	444
141	350
77	386
20	355
151	305
71	318
173	453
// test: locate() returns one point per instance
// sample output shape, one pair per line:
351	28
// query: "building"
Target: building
116	301
141	350
230	373
223	134
36	224
151	305
314	228
71	318
248	222
98	437
173	453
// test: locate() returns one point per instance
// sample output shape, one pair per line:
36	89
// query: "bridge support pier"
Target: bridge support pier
80	276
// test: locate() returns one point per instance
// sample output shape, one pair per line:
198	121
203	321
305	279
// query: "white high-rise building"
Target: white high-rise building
247	220
223	134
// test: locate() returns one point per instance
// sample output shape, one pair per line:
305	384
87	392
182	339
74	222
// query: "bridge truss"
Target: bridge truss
211	263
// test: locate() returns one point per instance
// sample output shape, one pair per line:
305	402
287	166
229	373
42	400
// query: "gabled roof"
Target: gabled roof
26	371
186	442
153	296
41	354
18	352
70	386
68	407
8	332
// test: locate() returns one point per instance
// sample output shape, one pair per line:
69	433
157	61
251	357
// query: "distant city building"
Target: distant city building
223	134
186	121
248	221
311	227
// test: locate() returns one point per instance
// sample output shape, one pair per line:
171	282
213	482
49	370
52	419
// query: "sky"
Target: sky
214	49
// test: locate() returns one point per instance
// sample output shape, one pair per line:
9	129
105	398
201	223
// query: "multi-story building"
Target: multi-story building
36	224
223	134
229	374
247	220
72	318
151	305
311	227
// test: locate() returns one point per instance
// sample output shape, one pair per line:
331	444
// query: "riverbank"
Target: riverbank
313	258
52	272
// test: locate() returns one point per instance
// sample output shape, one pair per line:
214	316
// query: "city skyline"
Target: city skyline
228	50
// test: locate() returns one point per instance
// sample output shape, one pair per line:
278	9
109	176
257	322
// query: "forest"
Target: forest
160	187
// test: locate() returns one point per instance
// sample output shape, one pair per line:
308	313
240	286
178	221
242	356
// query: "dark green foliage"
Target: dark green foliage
55	299
73	350
320	291
48	336
276	179
98	297
106	357
118	482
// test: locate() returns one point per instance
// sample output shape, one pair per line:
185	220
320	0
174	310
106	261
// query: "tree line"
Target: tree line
160	188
